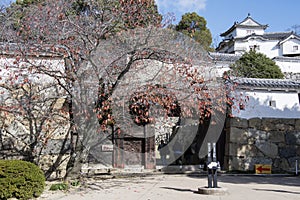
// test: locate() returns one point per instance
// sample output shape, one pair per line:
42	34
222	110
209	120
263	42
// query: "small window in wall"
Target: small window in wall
272	103
295	48
250	31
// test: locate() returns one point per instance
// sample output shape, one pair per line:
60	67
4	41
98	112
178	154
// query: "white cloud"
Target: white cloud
180	6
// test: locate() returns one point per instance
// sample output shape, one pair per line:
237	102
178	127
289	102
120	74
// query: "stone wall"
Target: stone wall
12	148
262	141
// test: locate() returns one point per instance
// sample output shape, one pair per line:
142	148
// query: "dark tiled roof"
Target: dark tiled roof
249	36
268	36
277	35
224	56
236	24
272	84
287	59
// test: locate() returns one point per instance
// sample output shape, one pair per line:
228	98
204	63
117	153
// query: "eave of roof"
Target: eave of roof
251	36
223	43
224	56
278	35
287	59
267	84
291	36
268	36
236	24
229	30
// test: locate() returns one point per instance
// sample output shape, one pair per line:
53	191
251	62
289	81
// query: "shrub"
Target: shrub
253	64
64	185
59	186
20	179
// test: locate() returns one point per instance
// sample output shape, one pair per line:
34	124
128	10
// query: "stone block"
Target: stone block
255	123
239	122
281	164
245	151
277	136
293	138
267	148
54	147
269	124
251	141
297	125
287	151
233	149
253	133
234	164
288	121
258	134
238	135
263	135
284	127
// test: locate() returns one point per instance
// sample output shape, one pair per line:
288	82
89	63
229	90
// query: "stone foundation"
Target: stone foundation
275	142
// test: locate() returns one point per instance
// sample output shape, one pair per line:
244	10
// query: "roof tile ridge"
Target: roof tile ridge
278	32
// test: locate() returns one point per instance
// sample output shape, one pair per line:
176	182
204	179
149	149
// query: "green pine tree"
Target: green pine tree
256	65
193	25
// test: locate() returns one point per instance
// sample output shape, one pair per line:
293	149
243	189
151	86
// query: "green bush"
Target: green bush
59	186
64	185
20	179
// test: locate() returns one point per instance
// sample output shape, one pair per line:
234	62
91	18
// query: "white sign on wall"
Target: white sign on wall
107	147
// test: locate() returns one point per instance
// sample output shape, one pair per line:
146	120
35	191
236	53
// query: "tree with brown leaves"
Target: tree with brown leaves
106	44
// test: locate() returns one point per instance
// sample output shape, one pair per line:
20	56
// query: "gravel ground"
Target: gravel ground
179	186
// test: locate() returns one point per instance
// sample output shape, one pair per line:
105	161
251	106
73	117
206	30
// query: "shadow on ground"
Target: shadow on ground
279	191
283	180
180	189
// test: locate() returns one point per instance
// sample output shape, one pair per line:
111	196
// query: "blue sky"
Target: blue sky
4	2
221	14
